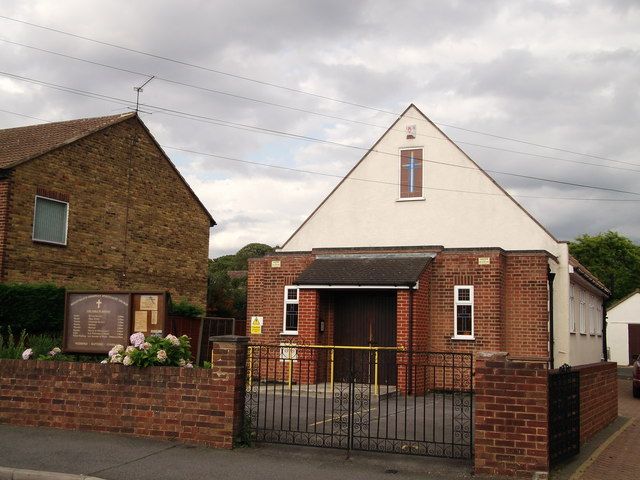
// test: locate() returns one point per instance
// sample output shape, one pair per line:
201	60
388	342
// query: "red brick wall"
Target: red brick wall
461	268
167	241
511	412
265	293
598	397
526	294
191	405
510	300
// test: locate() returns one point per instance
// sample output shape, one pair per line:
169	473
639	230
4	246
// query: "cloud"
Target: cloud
560	73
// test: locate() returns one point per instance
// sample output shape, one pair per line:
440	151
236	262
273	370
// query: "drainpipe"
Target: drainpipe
410	359
550	277
605	356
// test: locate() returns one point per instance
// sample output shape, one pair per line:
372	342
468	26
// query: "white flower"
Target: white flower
116	349
137	339
173	339
189	365
145	346
116	358
55	351
127	360
130	349
182	362
26	355
162	355
106	360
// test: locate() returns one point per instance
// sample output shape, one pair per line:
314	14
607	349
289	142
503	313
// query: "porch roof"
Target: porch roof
379	270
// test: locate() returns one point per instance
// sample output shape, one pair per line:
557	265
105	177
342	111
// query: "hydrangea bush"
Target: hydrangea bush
169	351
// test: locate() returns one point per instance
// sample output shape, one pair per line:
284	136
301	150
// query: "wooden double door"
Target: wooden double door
365	319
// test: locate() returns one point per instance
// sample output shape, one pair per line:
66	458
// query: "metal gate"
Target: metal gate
564	414
385	400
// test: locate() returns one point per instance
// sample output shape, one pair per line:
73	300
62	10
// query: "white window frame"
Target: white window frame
599	319
287	301
410	199
457	302
583	312
592	315
572	309
66	220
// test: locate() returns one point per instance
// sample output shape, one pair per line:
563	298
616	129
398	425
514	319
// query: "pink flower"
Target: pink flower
116	350
137	339
173	339
162	355
145	346
26	355
189	365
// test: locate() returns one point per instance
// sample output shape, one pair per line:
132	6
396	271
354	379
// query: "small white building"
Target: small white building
623	329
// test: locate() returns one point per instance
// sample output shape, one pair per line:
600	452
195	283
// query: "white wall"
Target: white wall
618	319
369	214
585	345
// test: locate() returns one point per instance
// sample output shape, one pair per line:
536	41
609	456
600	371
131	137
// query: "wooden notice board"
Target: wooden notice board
95	322
149	313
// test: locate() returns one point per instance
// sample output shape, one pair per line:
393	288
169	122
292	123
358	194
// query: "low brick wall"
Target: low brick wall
511	431
598	397
192	405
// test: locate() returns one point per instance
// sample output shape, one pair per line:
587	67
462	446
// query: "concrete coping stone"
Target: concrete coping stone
229	339
21	474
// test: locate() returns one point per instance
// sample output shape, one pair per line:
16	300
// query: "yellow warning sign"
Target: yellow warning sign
256	325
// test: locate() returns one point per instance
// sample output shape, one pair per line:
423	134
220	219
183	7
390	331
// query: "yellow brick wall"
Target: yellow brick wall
168	231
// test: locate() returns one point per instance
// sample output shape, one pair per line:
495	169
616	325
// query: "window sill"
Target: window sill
410	199
47	242
289	333
463	338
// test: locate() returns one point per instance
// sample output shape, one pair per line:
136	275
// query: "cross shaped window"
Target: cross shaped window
411	173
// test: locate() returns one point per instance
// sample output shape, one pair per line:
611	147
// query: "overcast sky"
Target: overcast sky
563	74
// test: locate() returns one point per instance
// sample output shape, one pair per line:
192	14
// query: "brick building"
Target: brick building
418	246
96	204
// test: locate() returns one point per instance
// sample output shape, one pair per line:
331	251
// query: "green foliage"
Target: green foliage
613	258
169	351
226	296
36	308
12	348
185	309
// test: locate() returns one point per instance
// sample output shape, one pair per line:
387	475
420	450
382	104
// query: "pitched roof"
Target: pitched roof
365	270
587	275
18	145
21	144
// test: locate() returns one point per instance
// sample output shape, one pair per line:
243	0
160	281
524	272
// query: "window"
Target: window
592	316
599	319
583	313
290	310
463	312
572	310
411	174
50	220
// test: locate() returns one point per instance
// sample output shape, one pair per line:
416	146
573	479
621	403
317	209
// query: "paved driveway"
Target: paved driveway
621	458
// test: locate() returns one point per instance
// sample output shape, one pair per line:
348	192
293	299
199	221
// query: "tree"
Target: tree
613	258
227	296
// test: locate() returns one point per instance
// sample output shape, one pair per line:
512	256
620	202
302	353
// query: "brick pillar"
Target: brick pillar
511	415
228	363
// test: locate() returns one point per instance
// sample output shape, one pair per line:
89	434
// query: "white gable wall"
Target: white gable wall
369	214
618	320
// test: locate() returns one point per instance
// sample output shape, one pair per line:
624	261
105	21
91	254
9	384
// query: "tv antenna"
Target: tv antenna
140	89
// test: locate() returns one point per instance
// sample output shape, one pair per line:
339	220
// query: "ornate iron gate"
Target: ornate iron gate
385	399
564	414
